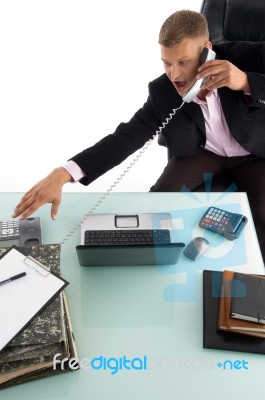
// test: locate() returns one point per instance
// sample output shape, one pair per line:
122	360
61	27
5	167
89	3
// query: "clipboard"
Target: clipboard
22	299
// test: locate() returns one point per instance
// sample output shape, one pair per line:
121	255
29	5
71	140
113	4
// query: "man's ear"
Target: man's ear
208	44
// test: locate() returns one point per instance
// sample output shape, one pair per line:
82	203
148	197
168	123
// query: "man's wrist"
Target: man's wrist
74	170
245	88
63	175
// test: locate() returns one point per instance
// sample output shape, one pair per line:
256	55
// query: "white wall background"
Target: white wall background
70	72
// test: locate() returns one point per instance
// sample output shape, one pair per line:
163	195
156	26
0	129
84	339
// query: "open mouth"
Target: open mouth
180	85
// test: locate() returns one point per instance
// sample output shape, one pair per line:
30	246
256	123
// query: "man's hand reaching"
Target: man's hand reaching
48	190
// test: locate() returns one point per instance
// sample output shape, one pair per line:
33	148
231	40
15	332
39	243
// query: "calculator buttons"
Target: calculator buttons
229	225
216	220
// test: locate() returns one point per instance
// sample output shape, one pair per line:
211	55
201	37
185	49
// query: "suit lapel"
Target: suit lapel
194	111
228	101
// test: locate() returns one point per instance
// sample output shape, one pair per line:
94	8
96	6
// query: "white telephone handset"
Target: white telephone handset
206	55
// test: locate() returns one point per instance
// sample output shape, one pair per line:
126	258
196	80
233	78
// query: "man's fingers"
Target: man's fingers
30	204
223	73
210	72
48	190
27	211
28	193
214	68
54	209
212	84
212	64
22	207
24	202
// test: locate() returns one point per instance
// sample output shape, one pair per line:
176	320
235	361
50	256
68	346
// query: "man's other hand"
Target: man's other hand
222	73
48	190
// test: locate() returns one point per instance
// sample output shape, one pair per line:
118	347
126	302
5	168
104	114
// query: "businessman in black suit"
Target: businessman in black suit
223	128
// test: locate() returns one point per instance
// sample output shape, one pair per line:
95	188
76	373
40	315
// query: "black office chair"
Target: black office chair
235	20
231	20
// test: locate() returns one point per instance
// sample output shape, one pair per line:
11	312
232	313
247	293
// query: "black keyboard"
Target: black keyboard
127	237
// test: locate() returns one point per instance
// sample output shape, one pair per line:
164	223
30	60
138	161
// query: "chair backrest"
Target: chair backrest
235	20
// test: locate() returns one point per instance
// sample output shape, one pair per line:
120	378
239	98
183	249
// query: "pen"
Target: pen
12	278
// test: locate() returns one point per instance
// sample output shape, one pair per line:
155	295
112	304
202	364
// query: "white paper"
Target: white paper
21	299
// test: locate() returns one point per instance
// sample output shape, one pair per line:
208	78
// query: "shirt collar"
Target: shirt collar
210	94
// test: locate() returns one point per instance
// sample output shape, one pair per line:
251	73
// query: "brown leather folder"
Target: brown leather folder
217	339
225	322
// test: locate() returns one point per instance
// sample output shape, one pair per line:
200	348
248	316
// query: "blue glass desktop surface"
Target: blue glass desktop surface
145	311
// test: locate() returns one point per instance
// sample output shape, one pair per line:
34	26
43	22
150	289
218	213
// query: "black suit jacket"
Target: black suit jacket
185	134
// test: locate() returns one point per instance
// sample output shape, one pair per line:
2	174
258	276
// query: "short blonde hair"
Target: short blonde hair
183	24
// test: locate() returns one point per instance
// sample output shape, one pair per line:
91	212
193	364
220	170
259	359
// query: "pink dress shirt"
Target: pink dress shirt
218	137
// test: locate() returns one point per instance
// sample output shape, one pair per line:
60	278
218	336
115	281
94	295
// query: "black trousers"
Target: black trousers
247	172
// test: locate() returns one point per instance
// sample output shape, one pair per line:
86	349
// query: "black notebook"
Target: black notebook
248	298
213	338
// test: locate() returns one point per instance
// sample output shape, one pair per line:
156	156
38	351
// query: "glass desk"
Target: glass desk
149	311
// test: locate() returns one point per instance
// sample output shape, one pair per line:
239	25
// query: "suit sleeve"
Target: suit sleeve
116	147
248	112
250	58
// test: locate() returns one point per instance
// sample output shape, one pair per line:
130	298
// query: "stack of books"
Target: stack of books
234	311
30	354
242	304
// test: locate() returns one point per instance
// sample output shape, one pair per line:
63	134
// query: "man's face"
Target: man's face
181	62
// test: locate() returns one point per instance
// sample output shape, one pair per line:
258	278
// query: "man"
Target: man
223	128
